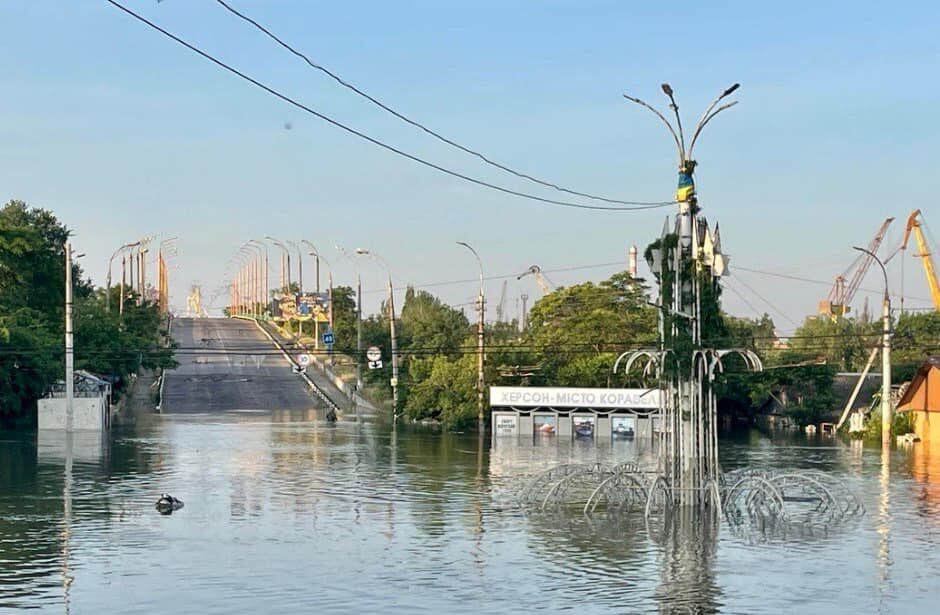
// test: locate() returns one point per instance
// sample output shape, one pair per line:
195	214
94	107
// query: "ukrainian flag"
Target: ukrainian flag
686	188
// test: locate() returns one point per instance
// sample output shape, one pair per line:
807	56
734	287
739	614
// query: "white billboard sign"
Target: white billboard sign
574	397
505	424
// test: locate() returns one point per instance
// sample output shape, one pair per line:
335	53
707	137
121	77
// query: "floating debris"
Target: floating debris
167	504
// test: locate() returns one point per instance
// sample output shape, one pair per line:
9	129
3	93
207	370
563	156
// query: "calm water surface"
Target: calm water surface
285	514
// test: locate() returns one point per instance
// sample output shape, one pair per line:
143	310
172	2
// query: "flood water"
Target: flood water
286	514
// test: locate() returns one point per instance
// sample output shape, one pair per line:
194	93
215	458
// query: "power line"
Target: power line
520	346
413	122
766	302
505	276
639	205
819	282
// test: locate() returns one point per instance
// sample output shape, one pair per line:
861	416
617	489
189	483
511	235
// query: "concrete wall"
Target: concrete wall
88	413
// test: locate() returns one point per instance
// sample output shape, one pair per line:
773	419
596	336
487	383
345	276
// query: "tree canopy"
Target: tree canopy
32	314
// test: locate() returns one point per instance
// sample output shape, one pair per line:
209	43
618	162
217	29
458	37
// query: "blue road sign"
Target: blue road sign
328	338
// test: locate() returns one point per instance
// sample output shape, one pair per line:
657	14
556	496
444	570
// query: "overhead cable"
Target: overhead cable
293	50
447	171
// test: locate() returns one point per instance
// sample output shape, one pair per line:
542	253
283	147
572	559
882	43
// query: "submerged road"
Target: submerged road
228	365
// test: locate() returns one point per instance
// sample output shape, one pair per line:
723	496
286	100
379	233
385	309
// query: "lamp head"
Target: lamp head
667	89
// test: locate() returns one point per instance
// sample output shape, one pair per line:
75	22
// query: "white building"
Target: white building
90	405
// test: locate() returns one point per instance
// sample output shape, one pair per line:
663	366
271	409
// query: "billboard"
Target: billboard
544	424
505	424
623	426
313	305
574	397
583	426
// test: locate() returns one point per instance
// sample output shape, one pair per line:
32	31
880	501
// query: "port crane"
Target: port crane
846	285
915	224
540	278
501	306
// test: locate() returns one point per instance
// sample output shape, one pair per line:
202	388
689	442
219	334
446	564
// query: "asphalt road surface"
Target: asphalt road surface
228	365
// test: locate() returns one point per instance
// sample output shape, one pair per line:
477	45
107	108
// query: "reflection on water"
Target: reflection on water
286	513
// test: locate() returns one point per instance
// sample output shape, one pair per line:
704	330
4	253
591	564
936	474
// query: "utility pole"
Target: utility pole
886	409
358	331
330	297
481	334
394	336
358	316
391	328
69	342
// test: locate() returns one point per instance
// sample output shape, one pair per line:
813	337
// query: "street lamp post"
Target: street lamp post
391	327
248	275
256	264
300	266
142	251
886	409
163	290
123	283
481	334
110	263
239	282
264	273
329	269
316	262
285	263
355	265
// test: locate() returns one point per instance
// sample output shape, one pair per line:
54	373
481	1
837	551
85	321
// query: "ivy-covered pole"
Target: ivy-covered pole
687	263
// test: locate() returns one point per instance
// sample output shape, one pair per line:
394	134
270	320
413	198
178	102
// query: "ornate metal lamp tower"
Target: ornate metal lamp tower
688	263
687	480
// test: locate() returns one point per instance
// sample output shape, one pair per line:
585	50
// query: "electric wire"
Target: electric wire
391	148
766	301
470	348
505	276
338	79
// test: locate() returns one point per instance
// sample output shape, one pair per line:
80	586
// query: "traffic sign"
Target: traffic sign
374	353
328	338
299	369
375	364
304	360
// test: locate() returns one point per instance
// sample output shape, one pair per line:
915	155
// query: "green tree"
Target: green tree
916	336
443	388
28	363
430	326
843	342
32	291
344	319
575	333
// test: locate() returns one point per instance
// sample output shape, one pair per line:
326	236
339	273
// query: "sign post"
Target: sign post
374	356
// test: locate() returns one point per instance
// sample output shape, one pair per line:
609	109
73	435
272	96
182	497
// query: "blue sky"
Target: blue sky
123	133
